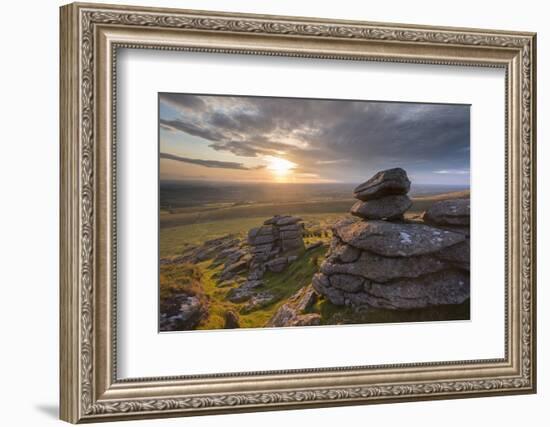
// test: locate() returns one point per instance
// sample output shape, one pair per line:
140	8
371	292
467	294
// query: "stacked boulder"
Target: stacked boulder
271	243
272	246
384	196
377	259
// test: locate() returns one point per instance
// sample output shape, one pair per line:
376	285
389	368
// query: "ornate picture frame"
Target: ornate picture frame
90	37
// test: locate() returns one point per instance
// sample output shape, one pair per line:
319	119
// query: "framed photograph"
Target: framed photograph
265	212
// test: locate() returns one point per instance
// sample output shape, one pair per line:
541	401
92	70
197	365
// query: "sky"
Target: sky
295	140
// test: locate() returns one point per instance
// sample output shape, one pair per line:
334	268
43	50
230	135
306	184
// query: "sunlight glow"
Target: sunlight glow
280	167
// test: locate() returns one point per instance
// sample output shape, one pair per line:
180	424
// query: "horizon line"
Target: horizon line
183	181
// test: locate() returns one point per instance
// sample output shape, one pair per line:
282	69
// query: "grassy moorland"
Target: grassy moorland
191	223
201	280
195	226
219	213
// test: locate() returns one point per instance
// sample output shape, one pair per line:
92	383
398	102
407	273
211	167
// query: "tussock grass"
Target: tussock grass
180	278
282	285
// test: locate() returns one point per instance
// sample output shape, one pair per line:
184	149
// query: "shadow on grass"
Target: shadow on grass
336	315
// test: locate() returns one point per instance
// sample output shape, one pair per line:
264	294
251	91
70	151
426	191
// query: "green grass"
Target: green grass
201	279
281	285
198	224
178	278
217	304
173	240
296	276
221	212
285	284
257	210
195	226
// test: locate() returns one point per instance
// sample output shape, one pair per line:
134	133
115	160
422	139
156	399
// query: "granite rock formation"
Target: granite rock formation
182	312
378	259
271	244
271	247
294	311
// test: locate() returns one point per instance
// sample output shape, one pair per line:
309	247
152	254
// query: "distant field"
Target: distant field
196	226
245	212
174	239
223	212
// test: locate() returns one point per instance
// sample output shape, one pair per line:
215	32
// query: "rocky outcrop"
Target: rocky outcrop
182	312
449	212
394	239
377	259
279	234
231	320
272	246
228	250
384	183
257	301
389	207
244	292
293	312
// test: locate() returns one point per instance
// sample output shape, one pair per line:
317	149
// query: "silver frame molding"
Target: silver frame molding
90	37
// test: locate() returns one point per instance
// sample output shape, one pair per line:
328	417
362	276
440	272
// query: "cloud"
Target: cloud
191	129
331	162
343	140
209	163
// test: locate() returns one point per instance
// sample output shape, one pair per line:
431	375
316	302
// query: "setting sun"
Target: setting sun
280	167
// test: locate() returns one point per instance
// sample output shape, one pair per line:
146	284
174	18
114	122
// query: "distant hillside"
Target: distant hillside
451	195
196	215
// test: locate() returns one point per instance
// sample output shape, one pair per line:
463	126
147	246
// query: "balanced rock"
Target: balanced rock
384	183
389	207
449	212
377	259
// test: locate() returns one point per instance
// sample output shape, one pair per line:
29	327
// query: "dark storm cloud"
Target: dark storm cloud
342	136
190	102
208	163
